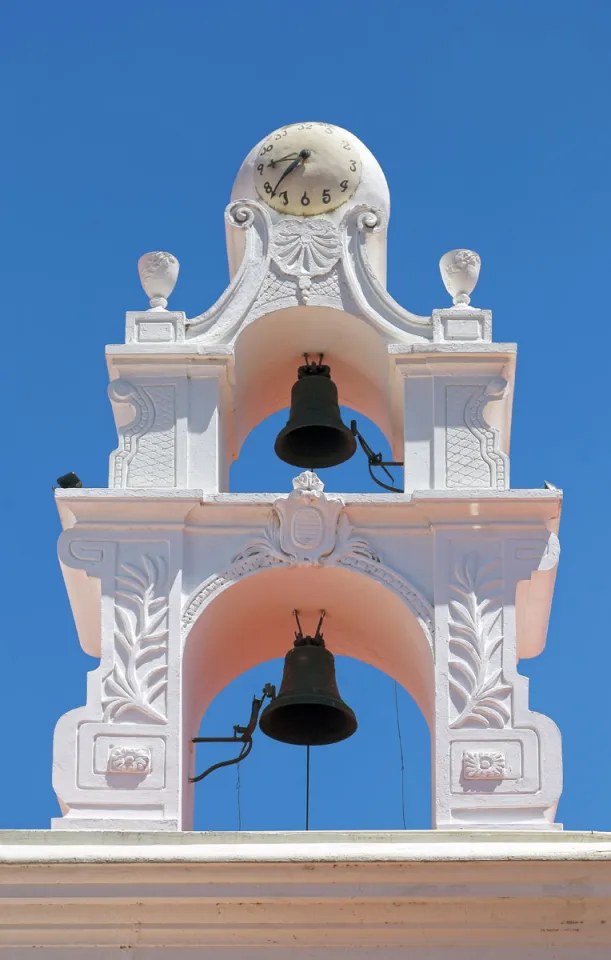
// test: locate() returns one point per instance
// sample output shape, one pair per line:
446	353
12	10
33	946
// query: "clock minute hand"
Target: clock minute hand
303	155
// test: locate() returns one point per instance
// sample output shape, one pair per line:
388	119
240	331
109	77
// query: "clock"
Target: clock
306	169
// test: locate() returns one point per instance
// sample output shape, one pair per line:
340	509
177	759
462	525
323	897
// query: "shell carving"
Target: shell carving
303	248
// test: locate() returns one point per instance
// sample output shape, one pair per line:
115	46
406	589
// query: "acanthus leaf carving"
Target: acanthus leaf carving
478	691
139	676
335	544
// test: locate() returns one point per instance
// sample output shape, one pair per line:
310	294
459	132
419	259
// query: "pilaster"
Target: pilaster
116	762
174	415
457	415
497	762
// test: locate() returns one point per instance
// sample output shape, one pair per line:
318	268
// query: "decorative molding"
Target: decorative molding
356	553
89	555
478	692
275	288
309	528
483	765
473	454
462	323
324	260
129	759
146	455
138	679
305	249
308	521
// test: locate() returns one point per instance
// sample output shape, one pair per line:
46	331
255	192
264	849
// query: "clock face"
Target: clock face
307	169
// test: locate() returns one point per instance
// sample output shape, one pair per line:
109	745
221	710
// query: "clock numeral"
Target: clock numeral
346	145
266	149
305	200
285	198
353	166
343	186
304	126
267	187
260	168
329	130
280	135
326	196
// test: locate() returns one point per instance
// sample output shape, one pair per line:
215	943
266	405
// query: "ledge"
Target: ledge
56	846
178	493
445	893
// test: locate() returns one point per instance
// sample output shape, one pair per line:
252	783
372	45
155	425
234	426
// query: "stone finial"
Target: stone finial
460	272
308	482
158	275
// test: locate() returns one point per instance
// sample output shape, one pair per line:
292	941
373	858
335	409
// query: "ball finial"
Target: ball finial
158	275
460	272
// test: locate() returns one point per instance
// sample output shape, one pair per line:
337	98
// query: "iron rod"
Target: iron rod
307	811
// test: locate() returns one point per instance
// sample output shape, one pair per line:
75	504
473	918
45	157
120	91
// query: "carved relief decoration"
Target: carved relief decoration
129	760
473	455
320	259
146	454
483	765
479	696
305	249
306	528
134	690
276	288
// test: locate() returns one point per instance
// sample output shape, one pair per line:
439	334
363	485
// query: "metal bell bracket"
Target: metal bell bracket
312	368
241	735
375	460
317	640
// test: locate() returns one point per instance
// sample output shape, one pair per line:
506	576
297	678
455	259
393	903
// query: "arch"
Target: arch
245	621
270	348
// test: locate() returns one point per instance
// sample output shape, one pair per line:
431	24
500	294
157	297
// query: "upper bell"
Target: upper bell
315	435
308	710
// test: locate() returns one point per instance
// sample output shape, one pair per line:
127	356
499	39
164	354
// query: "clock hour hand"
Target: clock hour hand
301	156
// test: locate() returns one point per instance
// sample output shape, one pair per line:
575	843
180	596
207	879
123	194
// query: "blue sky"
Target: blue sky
124	125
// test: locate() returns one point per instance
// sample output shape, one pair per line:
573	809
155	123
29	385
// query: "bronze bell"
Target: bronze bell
308	710
315	435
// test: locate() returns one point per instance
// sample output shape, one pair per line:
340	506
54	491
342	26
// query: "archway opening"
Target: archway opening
250	623
358	784
269	350
259	470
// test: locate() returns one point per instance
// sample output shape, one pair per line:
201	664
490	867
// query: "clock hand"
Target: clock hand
302	155
289	156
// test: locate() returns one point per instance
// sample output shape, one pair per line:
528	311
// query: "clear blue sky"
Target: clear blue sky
124	124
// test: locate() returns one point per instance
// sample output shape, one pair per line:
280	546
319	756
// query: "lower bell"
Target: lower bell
315	434
308	710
